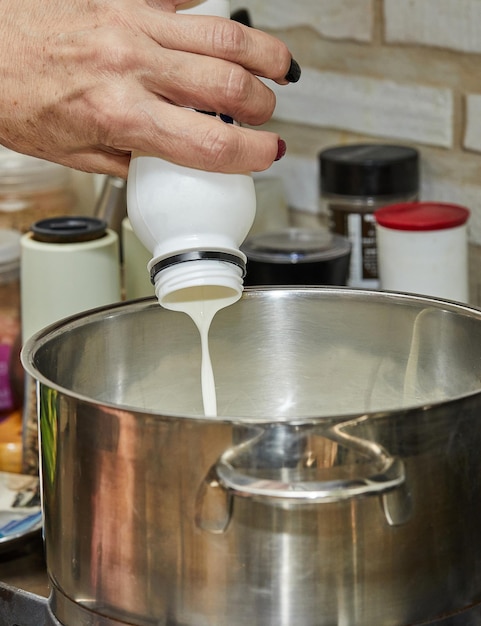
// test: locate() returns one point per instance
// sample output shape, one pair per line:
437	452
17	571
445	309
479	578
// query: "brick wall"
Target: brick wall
406	71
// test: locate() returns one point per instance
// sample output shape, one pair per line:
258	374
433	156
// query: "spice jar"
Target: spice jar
355	180
32	189
11	372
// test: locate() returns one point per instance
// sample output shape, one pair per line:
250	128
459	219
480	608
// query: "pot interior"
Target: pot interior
277	354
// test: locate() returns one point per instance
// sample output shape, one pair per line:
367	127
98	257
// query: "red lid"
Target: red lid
421	216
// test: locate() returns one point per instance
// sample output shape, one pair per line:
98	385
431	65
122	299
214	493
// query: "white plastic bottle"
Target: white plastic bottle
193	222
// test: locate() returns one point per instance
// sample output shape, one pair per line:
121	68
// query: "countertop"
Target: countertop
25	568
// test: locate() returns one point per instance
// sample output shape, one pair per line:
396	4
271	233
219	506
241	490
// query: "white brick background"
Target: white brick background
299	175
454	24
381	108
472	136
406	71
339	19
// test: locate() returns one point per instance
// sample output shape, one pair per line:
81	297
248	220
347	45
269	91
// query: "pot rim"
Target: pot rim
37	340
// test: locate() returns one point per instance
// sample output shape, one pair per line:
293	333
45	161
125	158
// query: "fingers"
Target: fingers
196	140
209	84
168	64
254	50
98	162
250	151
123	76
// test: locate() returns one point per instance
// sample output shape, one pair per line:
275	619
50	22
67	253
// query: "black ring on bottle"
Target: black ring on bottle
197	255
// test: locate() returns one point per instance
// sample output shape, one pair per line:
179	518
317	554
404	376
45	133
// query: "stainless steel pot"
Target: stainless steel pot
340	486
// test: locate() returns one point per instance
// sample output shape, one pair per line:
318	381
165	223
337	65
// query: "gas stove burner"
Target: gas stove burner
21	608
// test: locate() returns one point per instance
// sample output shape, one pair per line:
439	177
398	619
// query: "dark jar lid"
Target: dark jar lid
296	245
369	170
68	229
422	216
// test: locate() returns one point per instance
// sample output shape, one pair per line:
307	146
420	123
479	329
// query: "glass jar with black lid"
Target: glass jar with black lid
357	179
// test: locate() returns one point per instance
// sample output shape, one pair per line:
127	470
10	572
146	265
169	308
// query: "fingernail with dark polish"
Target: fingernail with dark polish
281	149
294	72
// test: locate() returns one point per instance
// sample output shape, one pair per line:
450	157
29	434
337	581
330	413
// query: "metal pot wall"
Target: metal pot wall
339	486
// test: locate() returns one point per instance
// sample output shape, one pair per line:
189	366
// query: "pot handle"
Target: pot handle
388	475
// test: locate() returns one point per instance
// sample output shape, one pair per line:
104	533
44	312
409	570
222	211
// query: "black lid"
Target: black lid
242	16
369	170
295	245
68	229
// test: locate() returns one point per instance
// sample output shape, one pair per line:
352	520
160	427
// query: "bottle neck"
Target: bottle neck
157	265
201	279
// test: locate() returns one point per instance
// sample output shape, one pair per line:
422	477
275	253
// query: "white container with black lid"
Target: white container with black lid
68	264
357	179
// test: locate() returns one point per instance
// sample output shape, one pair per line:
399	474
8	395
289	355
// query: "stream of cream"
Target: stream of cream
201	304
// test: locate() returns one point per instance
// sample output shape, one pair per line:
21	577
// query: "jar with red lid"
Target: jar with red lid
423	249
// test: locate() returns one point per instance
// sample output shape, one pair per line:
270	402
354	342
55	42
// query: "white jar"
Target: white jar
423	249
68	265
193	222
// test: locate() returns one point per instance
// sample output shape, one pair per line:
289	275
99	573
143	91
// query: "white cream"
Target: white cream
201	304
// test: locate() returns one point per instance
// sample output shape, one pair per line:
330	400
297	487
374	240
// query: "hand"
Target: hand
84	83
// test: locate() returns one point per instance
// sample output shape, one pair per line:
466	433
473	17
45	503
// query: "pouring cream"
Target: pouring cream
201	304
